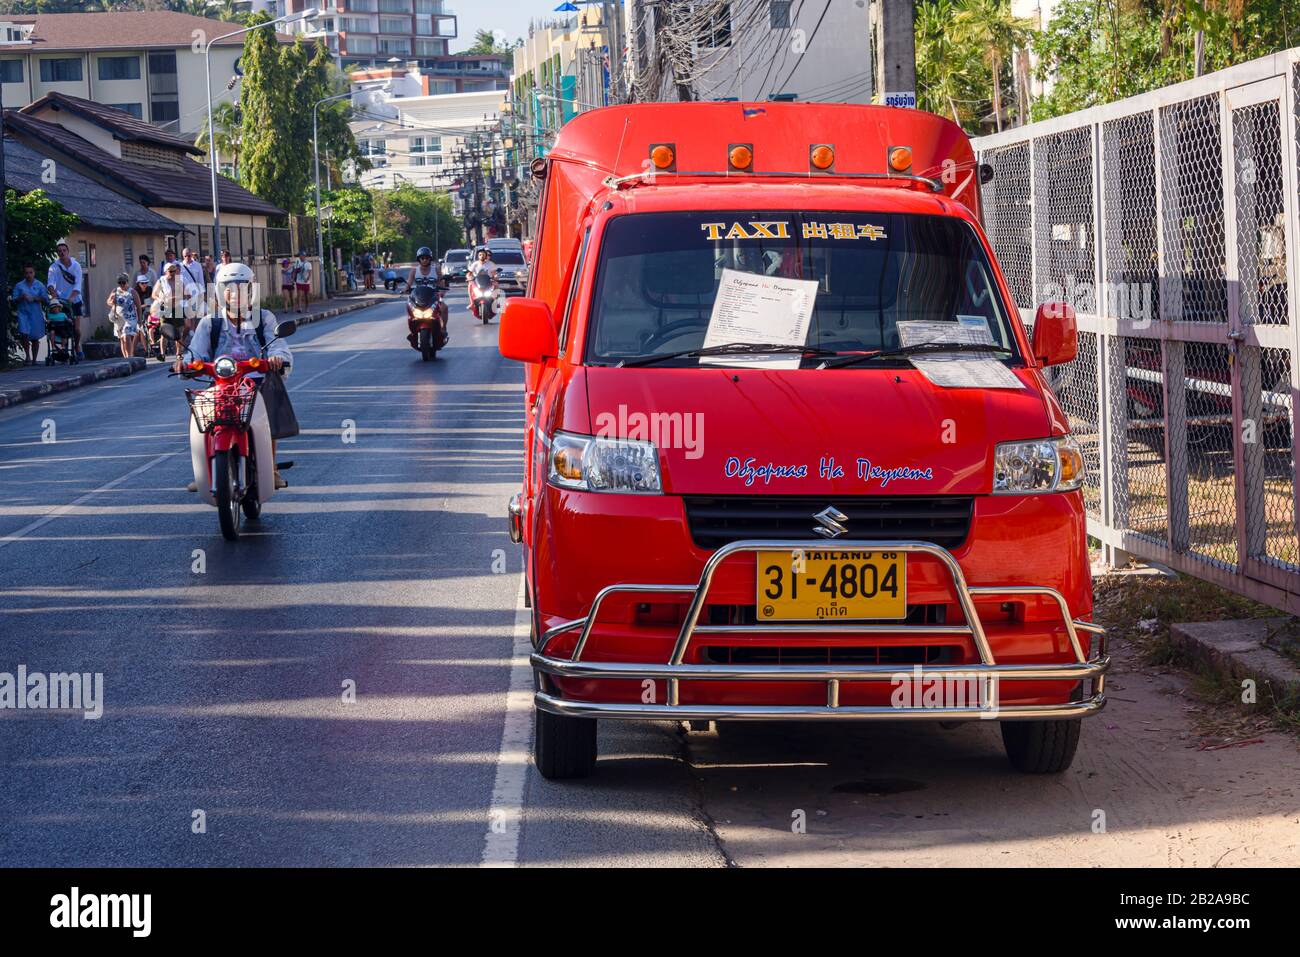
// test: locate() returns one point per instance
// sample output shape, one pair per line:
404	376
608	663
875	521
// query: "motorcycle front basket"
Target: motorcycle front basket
227	408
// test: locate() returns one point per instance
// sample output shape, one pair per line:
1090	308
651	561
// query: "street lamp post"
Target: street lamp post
315	150
307	14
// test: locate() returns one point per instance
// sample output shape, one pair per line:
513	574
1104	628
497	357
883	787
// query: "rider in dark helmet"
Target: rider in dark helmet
425	273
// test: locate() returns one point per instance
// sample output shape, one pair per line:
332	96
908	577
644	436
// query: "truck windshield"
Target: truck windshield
659	274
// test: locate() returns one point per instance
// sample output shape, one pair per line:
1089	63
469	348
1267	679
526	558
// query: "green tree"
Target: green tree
1098	51
33	224
952	78
281	85
387	223
430	221
485	42
350	218
990	26
228	124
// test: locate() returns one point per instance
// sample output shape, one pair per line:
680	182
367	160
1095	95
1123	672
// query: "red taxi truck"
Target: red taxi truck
824	525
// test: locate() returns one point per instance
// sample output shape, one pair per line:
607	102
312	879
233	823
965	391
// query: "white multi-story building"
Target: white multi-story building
418	139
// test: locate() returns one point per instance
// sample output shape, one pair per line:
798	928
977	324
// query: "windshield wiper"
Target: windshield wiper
728	349
918	349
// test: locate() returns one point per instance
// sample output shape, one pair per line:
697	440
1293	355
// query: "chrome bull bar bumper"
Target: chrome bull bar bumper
987	674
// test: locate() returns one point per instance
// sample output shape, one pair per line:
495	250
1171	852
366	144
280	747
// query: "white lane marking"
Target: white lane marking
299	385
64	509
506	812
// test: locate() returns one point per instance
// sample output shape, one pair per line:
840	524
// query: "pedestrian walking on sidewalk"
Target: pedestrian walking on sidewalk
31	298
302	280
124	308
64	282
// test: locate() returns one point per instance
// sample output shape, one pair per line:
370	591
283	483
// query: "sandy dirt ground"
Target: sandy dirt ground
1141	792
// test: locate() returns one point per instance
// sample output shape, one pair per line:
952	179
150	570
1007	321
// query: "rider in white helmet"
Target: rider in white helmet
240	328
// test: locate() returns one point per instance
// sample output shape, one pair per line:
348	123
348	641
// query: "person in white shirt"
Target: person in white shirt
302	280
192	275
64	281
241	329
175	301
484	263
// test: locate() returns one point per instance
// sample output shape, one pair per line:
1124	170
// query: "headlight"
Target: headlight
421	313
1042	465
603	464
224	367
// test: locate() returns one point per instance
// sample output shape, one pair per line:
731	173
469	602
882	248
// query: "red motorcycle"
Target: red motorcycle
426	317
230	437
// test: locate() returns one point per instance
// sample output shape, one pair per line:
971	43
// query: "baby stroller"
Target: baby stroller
60	333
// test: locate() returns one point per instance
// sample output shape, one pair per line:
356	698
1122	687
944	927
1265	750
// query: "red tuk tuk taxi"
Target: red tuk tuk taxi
790	453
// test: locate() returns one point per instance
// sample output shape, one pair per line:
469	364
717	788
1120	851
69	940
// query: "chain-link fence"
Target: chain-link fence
1169	221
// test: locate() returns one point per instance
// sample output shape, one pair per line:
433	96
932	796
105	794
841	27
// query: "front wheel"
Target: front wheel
427	351
225	468
563	747
1041	747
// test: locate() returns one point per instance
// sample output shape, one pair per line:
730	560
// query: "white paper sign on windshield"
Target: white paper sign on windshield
760	309
957	370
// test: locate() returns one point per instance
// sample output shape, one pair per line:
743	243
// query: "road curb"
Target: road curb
339	310
40	390
126	367
1246	648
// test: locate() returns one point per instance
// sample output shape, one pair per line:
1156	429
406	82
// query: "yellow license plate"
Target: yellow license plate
829	585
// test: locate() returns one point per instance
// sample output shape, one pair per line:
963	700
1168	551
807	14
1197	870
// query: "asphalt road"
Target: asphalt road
386	567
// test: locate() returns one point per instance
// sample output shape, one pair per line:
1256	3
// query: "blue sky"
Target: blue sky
509	16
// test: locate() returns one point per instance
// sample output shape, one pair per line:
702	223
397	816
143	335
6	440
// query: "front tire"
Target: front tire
427	351
564	748
225	466
1041	747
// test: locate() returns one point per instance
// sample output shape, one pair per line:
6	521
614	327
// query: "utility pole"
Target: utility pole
895	43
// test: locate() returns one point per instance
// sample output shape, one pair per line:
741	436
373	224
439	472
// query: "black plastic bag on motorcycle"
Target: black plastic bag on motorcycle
279	410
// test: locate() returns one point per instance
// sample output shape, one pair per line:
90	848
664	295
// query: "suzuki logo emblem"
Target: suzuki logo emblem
831	521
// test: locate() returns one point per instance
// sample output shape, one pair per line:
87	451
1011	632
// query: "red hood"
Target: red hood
793	423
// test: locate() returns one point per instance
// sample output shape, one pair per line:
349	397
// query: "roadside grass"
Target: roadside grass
1140	609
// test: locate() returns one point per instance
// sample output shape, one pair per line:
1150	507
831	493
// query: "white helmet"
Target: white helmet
245	281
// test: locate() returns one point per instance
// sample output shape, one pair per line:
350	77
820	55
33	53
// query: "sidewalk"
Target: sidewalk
26	384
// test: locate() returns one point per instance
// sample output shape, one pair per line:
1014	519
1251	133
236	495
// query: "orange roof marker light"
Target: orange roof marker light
740	157
822	157
663	157
900	159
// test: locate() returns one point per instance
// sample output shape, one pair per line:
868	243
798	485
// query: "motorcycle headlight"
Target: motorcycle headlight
603	464
1041	465
224	367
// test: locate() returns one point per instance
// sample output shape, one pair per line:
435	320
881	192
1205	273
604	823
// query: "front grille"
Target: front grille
748	615
837	655
719	520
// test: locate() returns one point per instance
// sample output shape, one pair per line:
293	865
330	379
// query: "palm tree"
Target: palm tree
990	24
227	121
940	79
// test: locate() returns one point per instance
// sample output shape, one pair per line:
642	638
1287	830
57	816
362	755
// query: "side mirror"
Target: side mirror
169	332
286	328
1056	334
527	331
